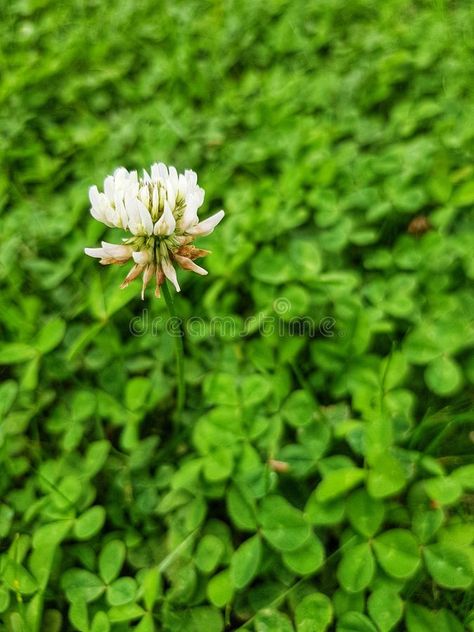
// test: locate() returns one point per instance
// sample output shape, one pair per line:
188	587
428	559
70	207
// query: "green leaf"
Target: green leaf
271	267
127	612
4	598
393	370
96	456
221	388
8	393
420	619
298	459
306	559
356	568
355	622
315	438
122	591
50	335
323	514
397	553
246	561
337	482
426	523
16	623
220	589
100	623
136	392
241	508
458	533
194	513
208	554
41	562
146	624
272	621
385	608
365	513
218	464
283	525
18	579
464	476
79	616
34	612
443	489
348	602
51	534
16	352
111	559
314	613
81	585
386	477
464	196
443	376
306	259
89	523
255	389
200	619
152	587
299	409
448	565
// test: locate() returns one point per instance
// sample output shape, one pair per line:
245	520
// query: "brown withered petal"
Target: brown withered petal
160	277
188	264
134	272
191	252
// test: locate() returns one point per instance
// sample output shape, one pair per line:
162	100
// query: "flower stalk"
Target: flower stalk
179	353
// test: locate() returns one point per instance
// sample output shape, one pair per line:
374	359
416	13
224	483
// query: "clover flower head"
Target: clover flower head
160	210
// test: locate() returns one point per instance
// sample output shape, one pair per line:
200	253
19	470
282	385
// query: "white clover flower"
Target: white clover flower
160	210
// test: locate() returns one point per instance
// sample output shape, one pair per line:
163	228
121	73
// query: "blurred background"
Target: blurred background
337	137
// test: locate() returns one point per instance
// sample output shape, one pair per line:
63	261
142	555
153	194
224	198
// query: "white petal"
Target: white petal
109	187
112	216
121	175
120	206
191	177
133	215
99	215
97	253
155	202
144	195
145	218
94	196
155	174
162	170
170	272
182	185
190	216
198	196
117	251
167	223
207	226
141	257
173	176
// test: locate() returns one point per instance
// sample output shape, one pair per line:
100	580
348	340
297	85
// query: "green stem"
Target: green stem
179	351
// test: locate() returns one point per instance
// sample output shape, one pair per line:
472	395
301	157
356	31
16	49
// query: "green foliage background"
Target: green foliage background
323	479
